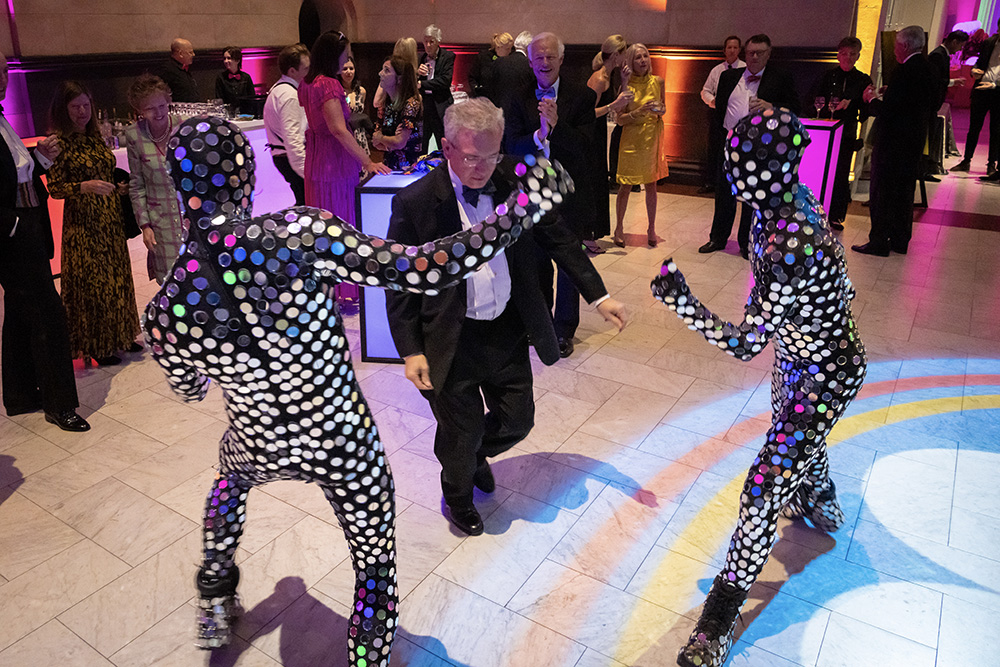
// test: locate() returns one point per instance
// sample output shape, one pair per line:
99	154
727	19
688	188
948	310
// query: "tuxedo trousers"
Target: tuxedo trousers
37	366
725	212
491	365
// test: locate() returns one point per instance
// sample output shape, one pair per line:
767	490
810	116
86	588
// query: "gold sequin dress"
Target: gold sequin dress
641	158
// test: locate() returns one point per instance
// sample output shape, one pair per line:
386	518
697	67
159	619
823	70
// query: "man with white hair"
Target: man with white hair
469	344
556	116
434	75
176	73
901	112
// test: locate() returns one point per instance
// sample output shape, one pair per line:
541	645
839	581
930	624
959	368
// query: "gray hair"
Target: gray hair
522	40
546	36
477	115
433	31
912	37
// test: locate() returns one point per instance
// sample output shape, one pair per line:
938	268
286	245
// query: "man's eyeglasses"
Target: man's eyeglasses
477	160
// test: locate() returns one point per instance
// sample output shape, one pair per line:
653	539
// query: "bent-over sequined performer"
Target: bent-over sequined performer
243	306
801	299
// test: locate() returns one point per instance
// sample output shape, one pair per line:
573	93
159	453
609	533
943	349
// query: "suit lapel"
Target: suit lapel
446	206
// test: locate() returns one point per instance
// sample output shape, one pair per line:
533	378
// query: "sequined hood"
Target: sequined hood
762	157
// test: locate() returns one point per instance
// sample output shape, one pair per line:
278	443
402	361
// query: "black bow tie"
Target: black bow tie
471	195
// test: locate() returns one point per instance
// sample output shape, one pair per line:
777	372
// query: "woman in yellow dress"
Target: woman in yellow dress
641	160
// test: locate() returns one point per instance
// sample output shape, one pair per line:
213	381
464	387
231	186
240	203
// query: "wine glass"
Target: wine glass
834	103
819	103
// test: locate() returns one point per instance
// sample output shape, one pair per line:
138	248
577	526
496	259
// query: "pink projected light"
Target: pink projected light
819	160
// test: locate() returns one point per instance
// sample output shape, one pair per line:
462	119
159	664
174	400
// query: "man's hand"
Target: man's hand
843	104
614	312
977	73
757	104
49	147
423	70
989	85
549	113
418	372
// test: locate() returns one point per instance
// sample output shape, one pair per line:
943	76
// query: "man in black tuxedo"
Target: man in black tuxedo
901	118
470	343
557	117
511	74
940	62
985	99
743	91
176	73
37	366
434	77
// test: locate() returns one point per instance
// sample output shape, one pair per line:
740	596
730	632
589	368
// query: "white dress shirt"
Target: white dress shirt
285	123
488	288
993	67
543	144
712	82
22	157
739	101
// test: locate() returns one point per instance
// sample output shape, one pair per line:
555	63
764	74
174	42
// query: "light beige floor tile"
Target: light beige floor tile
28	458
969	635
310	631
266	519
175	464
897	485
188	499
307	497
628	416
148	413
11	433
397	391
556	418
635	374
976	533
397	427
52	644
122	520
170	643
596	615
458	625
29	535
850	642
274	576
708	408
120	383
94	464
575	385
550	482
592	658
37	596
519	534
674	581
101	427
124	609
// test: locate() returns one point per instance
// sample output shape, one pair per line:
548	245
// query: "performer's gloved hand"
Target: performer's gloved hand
670	287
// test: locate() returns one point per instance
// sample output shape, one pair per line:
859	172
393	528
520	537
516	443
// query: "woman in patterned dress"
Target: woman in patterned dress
96	279
356	95
640	159
150	187
333	157
399	122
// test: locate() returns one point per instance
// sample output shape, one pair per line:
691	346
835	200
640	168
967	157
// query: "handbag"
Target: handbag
129	222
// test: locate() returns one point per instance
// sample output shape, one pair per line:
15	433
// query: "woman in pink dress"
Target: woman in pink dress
333	157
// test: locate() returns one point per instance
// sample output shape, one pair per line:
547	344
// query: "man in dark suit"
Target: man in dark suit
742	91
470	343
557	117
434	76
897	143
985	99
511	74
37	366
176	73
847	84
940	62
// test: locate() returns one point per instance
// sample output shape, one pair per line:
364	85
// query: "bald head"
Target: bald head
182	51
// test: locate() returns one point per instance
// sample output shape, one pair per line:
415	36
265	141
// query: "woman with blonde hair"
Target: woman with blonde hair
606	82
483	79
640	159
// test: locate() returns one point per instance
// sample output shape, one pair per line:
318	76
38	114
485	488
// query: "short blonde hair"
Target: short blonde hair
502	39
632	52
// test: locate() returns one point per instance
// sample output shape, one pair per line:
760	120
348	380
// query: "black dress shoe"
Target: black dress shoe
711	246
871	249
899	248
466	519
565	347
135	348
964	165
67	420
991	178
483	479
931	178
837	224
745	253
110	360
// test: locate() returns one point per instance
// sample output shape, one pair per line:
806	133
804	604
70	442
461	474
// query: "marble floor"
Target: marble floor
608	522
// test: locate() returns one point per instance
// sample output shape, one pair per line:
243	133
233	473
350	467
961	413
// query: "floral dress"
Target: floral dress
391	119
96	279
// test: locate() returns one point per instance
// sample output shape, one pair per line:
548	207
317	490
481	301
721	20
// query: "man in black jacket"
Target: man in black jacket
434	75
897	143
37	366
742	91
176	72
985	99
556	117
470	343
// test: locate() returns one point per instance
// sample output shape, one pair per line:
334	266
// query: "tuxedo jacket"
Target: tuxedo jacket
902	114
182	85
776	86
940	61
570	142
431	325
8	192
985	51
438	90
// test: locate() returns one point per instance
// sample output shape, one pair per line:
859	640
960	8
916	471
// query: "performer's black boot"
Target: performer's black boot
218	607
709	643
819	506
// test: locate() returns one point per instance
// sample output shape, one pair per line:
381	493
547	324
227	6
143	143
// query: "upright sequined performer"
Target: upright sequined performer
801	299
243	306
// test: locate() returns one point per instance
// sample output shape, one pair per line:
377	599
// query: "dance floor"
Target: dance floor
608	522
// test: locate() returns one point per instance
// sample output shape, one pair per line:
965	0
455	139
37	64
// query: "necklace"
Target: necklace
166	133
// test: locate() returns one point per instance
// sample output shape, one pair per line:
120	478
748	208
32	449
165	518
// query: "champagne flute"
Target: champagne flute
834	103
819	103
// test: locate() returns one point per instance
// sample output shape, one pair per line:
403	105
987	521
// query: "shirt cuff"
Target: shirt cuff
601	300
543	144
42	160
